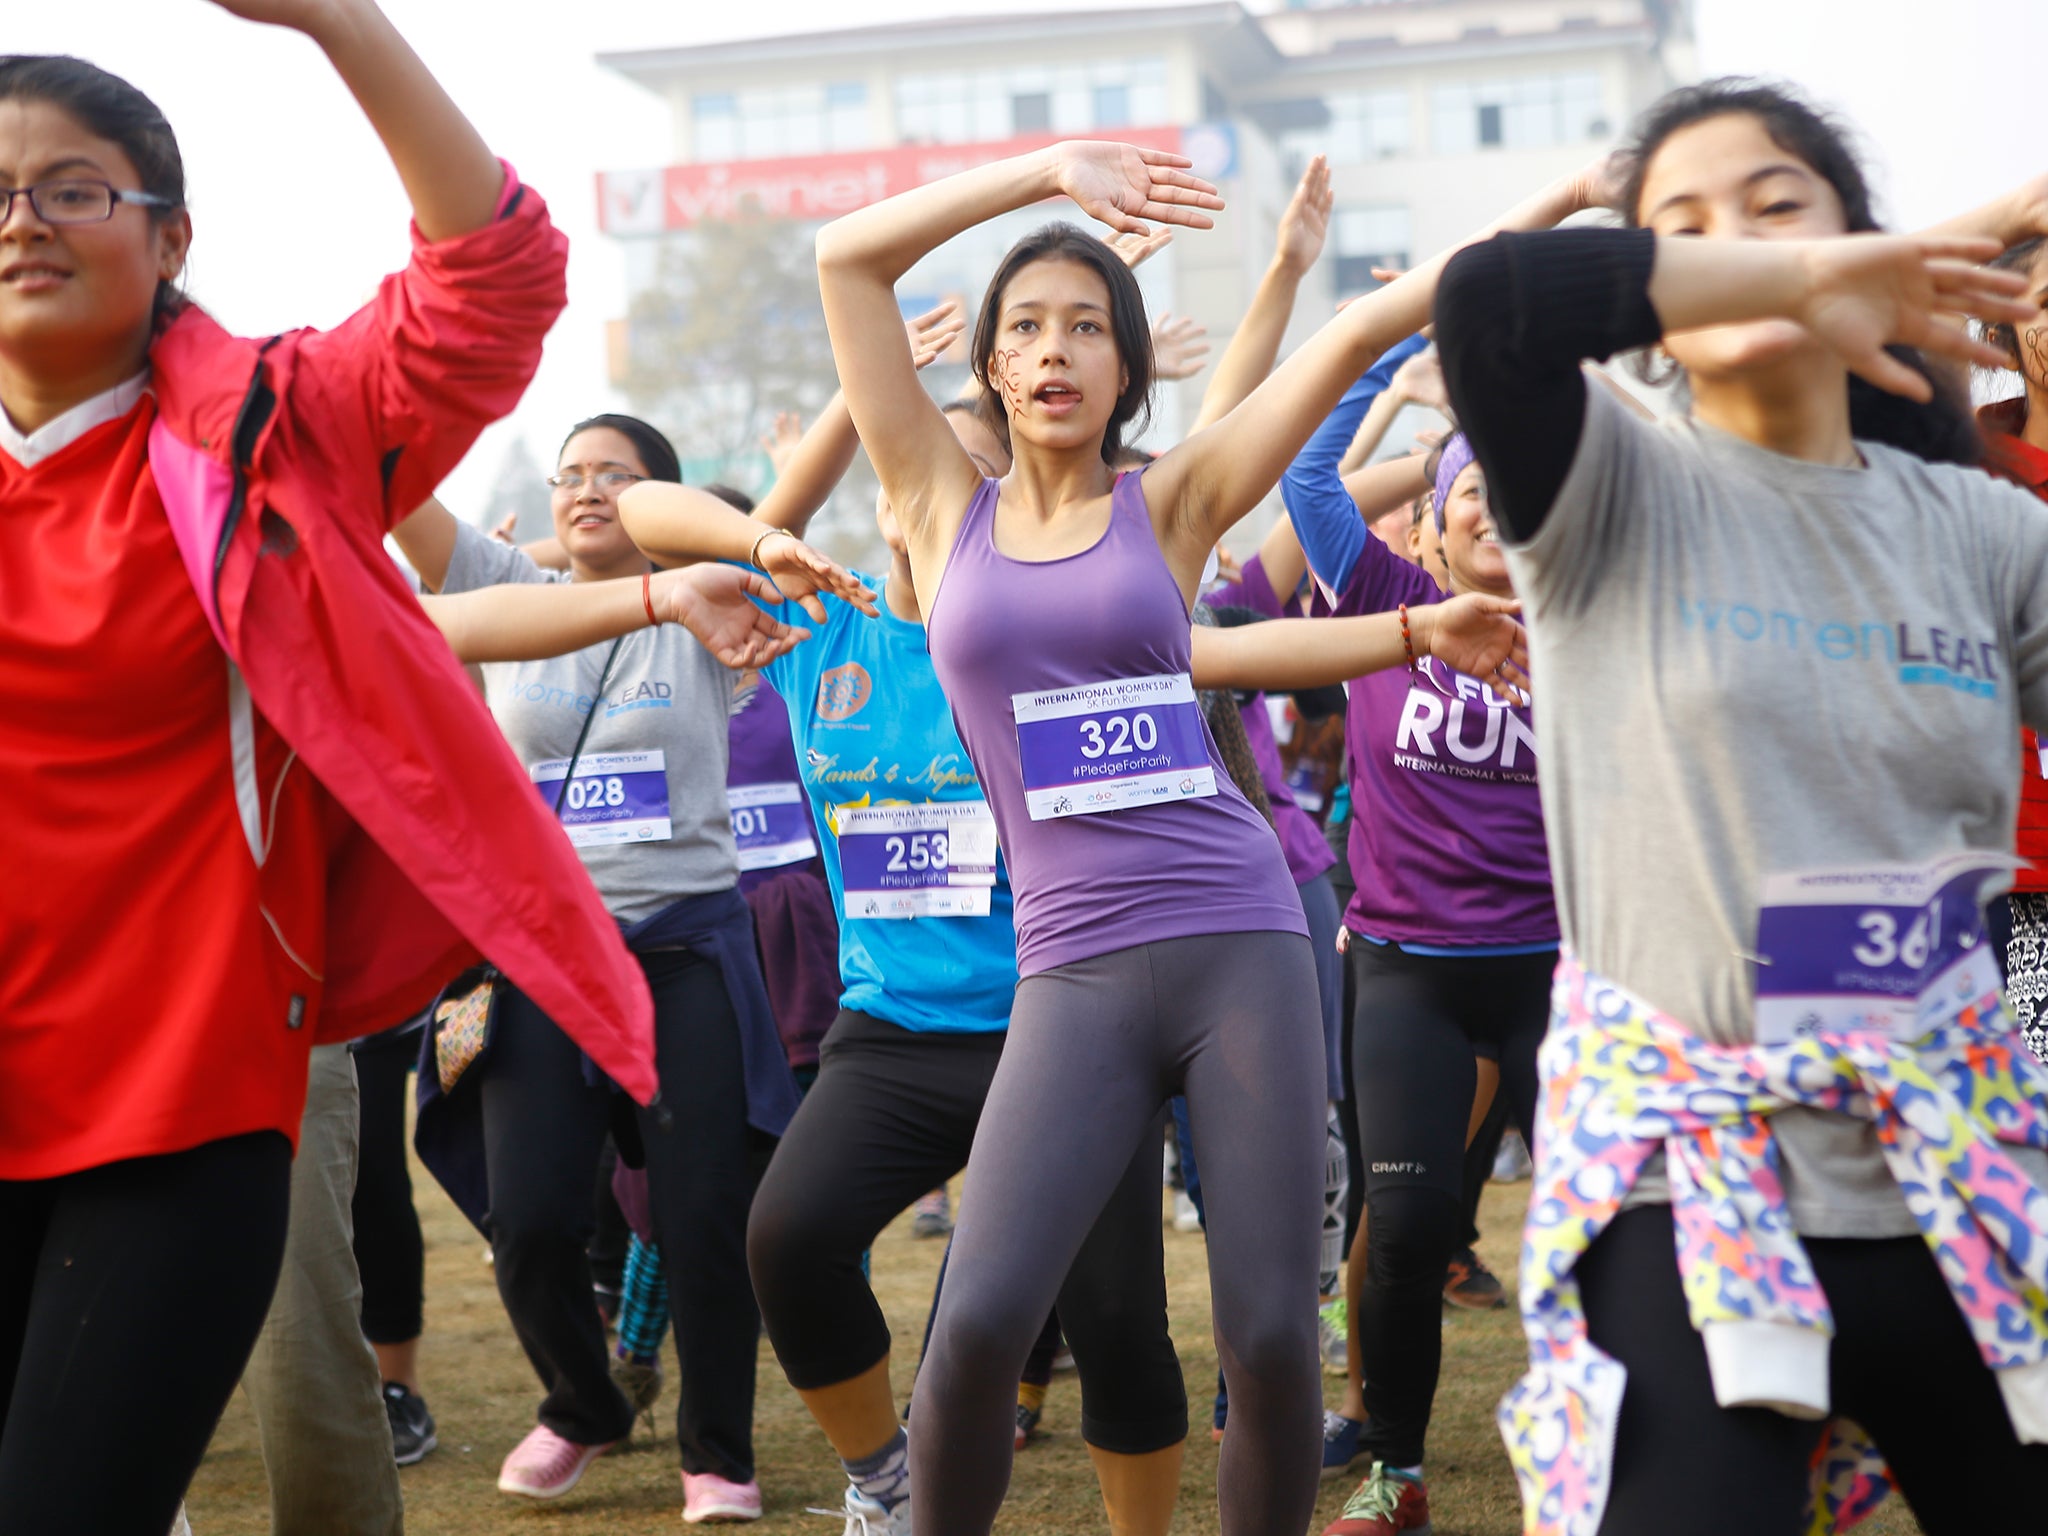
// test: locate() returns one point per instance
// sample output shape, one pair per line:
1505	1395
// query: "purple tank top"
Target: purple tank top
1136	837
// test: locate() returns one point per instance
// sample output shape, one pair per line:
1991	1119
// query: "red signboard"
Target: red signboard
808	186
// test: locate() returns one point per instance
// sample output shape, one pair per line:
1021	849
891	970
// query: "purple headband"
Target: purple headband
1451	462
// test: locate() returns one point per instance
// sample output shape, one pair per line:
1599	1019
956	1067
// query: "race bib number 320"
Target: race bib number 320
1895	950
615	797
1105	746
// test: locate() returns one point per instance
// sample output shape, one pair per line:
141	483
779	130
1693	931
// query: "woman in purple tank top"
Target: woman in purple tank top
1161	944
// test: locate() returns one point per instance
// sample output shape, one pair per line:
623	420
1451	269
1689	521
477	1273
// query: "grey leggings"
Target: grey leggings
1095	1048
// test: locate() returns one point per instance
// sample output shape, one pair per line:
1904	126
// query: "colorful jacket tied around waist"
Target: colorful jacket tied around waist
1622	1081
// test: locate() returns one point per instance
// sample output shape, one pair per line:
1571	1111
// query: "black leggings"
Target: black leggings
544	1127
130	1298
1412	1074
1096	1048
1903	1365
390	1253
891	1116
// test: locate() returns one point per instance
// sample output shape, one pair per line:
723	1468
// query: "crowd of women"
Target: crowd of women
749	898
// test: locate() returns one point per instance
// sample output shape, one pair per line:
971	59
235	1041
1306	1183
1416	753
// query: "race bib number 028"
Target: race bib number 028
771	825
1895	950
615	797
1104	746
934	860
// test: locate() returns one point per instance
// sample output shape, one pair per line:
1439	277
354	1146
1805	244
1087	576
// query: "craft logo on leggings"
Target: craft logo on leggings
1103	746
615	797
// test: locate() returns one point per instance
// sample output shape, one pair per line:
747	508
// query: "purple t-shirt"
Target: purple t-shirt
1447	839
1308	851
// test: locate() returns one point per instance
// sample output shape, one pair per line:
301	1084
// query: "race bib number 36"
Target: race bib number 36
615	797
771	825
1104	746
1896	950
918	860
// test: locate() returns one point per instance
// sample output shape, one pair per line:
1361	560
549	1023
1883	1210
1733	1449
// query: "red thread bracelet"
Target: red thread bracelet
1407	641
647	601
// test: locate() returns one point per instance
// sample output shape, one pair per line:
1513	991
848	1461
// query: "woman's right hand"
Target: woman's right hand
1861	293
1480	636
801	573
1122	185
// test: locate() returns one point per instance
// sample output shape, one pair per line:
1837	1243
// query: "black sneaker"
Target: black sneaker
412	1427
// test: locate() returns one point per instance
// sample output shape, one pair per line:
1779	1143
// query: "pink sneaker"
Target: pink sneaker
545	1466
708	1497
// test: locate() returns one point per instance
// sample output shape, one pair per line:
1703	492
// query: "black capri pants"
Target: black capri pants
892	1115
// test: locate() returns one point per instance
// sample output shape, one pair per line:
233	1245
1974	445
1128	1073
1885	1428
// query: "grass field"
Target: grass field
483	1394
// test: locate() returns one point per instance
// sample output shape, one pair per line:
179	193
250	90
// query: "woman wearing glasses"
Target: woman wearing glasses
225	714
644	721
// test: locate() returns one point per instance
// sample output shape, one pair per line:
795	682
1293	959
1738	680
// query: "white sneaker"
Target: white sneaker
865	1517
1185	1217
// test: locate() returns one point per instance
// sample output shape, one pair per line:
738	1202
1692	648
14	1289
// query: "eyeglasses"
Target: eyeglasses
608	479
76	202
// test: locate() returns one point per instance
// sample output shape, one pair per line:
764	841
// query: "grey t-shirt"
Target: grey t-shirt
666	694
1748	664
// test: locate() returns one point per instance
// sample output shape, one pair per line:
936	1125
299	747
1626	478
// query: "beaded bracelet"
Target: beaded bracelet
1408	641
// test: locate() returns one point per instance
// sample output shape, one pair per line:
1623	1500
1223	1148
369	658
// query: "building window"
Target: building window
1368	238
846	116
1363	125
1031	112
798	120
715	127
991	104
1533	112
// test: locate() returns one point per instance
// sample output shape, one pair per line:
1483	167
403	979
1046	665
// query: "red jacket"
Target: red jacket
282	465
2011	457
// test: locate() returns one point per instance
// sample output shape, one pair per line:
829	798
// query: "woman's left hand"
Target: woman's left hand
1480	636
1124	186
713	602
1179	346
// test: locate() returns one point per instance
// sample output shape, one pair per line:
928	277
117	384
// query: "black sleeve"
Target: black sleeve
1515	316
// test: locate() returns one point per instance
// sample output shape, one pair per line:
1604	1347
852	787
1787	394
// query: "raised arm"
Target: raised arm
1519	313
427	540
1255	345
926	473
682	523
529	622
450	175
1475	634
1203	486
1418	381
1325	518
2018	215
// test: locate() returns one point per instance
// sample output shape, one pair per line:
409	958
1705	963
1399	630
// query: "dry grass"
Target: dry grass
483	1394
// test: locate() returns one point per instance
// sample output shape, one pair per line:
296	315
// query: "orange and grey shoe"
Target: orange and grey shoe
1468	1283
1387	1503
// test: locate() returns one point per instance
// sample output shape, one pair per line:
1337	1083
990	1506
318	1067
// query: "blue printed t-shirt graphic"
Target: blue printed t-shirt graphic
1916	653
872	729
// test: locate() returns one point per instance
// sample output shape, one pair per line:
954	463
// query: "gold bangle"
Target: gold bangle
754	559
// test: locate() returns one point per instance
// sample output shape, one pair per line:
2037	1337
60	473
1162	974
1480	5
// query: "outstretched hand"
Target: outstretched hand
1479	636
1420	381
713	603
800	573
1864	292
1179	346
782	442
1136	250
1306	223
932	332
1123	186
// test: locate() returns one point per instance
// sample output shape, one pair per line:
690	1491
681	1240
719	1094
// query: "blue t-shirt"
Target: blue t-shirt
872	727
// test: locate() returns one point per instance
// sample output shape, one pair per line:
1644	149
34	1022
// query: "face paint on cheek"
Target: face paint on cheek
2035	341
1009	377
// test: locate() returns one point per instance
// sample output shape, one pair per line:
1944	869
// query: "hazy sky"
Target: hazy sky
298	212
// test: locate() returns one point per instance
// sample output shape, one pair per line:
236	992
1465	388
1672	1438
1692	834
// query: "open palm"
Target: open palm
1123	186
1480	636
1867	291
800	573
714	602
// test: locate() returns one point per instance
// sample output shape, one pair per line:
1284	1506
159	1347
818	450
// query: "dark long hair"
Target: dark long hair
2003	334
109	108
1127	323
657	455
1943	430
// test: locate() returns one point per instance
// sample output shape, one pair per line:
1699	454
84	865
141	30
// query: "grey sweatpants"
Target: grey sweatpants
1095	1049
313	1378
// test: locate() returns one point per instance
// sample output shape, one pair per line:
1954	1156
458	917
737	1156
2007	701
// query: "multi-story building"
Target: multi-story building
1435	114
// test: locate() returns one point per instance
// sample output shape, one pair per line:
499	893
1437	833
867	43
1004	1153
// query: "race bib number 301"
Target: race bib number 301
1895	950
615	797
771	825
1104	746
934	860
